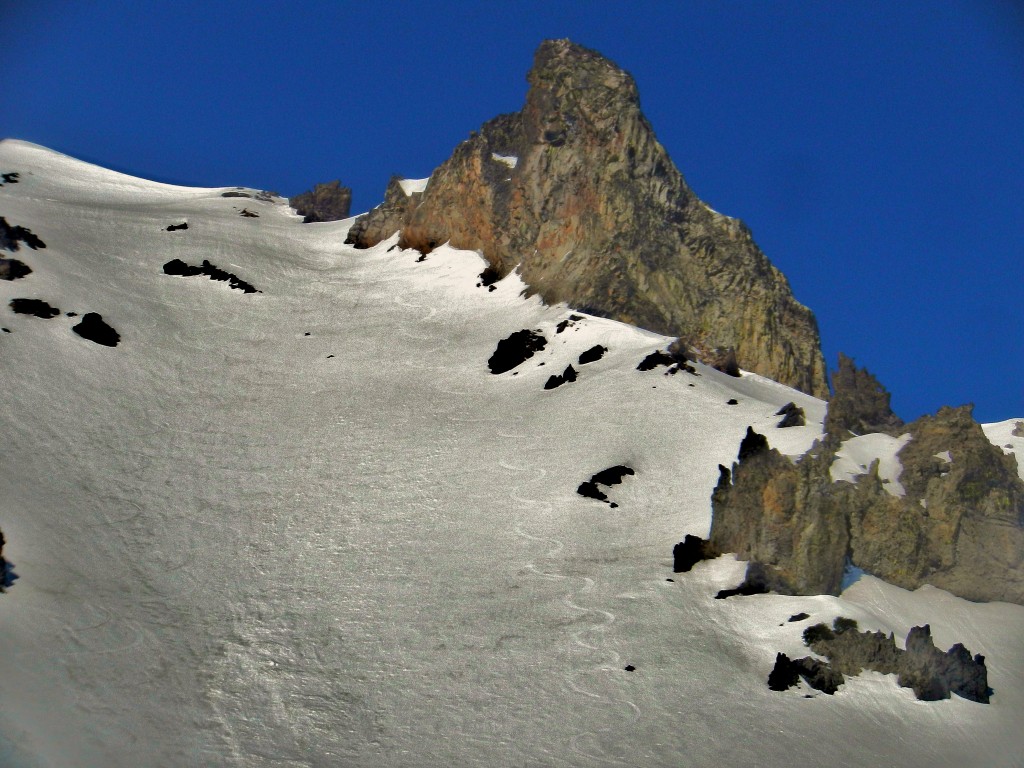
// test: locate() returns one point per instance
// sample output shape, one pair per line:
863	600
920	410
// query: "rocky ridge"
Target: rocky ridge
958	524
576	193
932	674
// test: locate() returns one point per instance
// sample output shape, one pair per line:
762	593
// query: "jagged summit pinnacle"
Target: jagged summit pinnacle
578	193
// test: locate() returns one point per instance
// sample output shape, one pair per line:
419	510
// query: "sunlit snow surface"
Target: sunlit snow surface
413	186
236	550
856	455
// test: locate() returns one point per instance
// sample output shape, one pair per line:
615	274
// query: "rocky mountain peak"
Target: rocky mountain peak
577	193
569	83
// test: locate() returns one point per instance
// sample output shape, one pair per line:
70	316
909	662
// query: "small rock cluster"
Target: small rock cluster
179	268
932	674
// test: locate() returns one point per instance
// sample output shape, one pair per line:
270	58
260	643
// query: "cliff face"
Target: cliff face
577	192
780	515
959	525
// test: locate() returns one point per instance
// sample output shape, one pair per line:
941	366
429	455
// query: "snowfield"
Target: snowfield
308	527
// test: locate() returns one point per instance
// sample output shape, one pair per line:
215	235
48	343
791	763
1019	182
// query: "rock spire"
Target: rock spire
576	192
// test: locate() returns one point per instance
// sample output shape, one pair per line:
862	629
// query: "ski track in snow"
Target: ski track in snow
599	627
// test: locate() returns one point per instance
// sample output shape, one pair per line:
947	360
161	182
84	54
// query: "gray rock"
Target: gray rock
1018	429
595	214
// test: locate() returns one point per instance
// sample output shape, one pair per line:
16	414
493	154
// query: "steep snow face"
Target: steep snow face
309	527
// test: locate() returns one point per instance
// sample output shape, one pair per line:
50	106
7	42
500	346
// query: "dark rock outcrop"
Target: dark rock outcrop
33	307
13	269
594	213
780	516
515	350
96	330
9	178
11	236
792	416
178	268
932	674
690	551
607	477
324	202
859	404
568	375
177	227
1018	429
593	354
960	524
3	564
818	674
675	358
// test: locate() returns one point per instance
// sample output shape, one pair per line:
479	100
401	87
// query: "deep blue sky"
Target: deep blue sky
875	148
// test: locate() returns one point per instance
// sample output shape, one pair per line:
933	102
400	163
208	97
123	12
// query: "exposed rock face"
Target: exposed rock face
324	202
780	516
859	404
959	526
932	674
577	192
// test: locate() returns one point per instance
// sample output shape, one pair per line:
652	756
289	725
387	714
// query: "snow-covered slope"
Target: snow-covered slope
308	526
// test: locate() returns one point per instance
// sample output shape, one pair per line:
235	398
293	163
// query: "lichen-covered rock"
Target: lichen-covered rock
94	328
781	516
576	192
324	202
960	524
859	404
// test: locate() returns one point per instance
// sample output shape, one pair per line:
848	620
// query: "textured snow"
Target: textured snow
413	186
855	456
510	160
236	550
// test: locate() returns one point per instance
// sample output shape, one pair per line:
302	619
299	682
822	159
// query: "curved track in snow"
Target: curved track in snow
590	638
